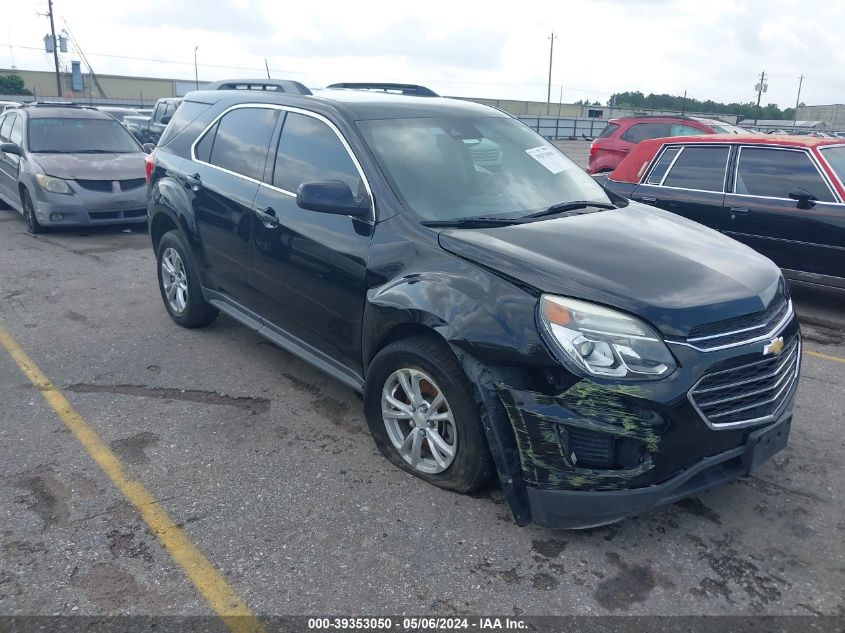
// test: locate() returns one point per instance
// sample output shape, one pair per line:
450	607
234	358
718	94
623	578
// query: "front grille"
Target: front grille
107	186
748	394
116	215
591	449
740	330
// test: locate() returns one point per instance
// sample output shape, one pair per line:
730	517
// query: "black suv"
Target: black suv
499	310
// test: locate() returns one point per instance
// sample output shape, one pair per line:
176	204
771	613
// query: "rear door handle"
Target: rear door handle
735	211
268	217
194	181
648	199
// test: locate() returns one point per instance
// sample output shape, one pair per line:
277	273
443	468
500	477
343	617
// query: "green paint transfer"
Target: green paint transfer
536	420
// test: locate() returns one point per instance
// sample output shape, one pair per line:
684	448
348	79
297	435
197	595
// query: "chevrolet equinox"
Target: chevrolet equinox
499	310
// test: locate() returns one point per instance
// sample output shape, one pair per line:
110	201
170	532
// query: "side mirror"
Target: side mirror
11	148
165	119
805	198
331	196
148	148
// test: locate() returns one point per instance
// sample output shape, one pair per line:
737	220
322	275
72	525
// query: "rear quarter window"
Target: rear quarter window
187	113
608	130
662	166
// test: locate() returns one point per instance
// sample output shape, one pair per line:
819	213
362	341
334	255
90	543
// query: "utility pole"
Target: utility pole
196	72
797	100
55	49
549	93
684	103
761	88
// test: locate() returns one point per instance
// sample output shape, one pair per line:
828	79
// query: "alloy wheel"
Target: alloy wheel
174	281
419	421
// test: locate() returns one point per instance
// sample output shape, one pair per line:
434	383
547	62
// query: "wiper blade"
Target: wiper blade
472	223
94	151
571	206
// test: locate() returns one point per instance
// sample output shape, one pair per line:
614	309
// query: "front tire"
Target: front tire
179	285
32	224
424	417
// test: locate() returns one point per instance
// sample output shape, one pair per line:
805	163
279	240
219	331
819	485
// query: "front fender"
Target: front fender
490	325
472	310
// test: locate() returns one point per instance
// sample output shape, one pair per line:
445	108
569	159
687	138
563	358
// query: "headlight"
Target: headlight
53	185
597	341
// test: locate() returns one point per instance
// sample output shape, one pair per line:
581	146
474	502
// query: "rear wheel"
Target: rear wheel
32	224
423	415
179	285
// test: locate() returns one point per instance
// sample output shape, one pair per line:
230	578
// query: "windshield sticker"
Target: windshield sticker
550	158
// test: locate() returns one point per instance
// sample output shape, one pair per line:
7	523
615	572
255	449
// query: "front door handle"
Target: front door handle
735	211
648	199
194	181
268	217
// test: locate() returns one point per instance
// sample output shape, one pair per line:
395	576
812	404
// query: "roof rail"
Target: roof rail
656	116
404	89
267	85
56	104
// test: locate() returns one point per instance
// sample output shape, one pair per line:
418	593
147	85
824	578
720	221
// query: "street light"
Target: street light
196	72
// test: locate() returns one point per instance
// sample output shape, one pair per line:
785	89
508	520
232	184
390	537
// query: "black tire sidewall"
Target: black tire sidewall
472	465
29	216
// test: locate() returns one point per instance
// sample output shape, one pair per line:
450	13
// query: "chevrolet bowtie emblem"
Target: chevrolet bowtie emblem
774	348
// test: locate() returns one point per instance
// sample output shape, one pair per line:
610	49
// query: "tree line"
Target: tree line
12	85
638	101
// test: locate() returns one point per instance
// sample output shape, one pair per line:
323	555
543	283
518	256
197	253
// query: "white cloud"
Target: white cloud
713	50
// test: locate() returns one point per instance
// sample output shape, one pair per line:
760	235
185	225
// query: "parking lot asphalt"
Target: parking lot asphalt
266	465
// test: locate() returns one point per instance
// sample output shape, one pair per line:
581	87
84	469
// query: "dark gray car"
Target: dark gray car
66	165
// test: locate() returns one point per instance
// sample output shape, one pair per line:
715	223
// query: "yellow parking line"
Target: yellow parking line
835	359
216	591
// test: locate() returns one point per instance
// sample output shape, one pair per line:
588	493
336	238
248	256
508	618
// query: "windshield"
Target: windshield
835	157
463	167
64	135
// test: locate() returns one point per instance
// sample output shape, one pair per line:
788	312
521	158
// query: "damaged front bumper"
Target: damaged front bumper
633	459
596	452
568	509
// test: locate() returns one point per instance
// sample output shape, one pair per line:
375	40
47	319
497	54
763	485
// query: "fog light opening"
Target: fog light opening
56	217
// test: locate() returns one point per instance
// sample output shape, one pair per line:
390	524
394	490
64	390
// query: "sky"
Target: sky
713	49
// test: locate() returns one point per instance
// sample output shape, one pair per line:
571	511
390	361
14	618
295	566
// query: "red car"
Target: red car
781	195
621	135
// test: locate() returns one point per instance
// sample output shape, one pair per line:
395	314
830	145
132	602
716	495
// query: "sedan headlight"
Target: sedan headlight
597	341
53	185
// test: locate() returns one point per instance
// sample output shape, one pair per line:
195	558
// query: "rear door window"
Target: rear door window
642	131
243	140
310	151
773	173
700	168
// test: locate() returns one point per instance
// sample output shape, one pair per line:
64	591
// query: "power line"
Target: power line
298	72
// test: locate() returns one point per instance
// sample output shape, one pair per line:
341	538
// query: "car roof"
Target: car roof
657	118
356	104
629	170
59	112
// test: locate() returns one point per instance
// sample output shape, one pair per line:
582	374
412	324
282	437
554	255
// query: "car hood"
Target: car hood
92	166
668	270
